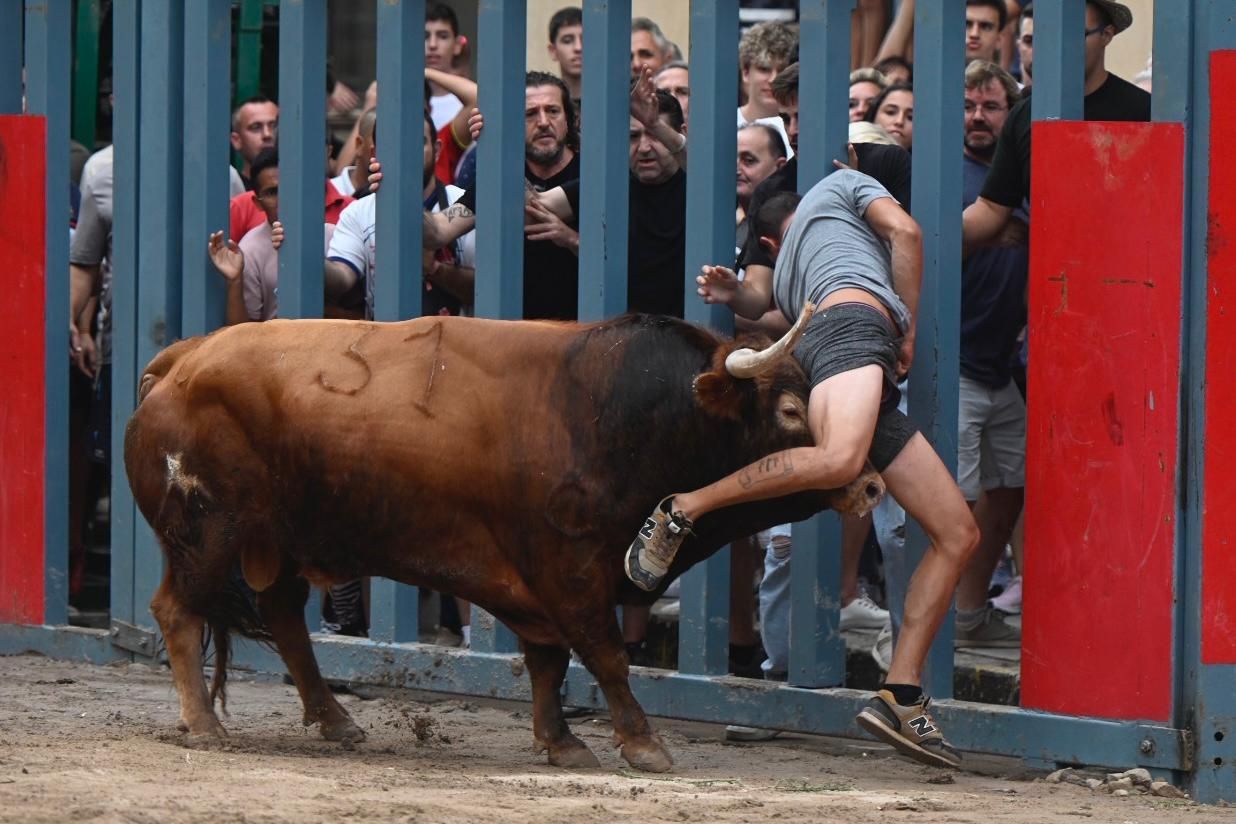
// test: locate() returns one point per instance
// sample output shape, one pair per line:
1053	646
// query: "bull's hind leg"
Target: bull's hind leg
547	666
282	606
606	658
182	633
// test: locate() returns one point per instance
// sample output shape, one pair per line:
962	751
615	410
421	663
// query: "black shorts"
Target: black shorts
849	336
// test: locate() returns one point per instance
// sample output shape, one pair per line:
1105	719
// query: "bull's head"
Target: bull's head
773	372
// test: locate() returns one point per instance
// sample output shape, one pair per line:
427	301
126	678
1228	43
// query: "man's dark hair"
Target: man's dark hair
566	16
257	98
268	158
533	79
894	61
433	132
1028	11
785	85
1001	10
442	13
768	220
879	100
1105	19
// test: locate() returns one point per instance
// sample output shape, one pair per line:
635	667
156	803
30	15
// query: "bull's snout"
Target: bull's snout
861	495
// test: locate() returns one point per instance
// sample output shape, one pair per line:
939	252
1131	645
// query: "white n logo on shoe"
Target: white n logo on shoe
922	725
647	530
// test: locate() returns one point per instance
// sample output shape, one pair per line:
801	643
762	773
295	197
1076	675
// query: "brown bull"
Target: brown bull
505	462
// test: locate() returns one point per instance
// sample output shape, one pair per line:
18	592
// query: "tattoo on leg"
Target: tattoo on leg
774	466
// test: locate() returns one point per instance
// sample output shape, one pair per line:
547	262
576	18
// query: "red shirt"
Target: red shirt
246	213
449	156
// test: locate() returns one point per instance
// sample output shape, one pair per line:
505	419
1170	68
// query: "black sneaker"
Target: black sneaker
910	730
651	553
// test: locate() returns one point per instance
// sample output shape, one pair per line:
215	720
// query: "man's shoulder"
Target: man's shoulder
359	212
1118	99
98	166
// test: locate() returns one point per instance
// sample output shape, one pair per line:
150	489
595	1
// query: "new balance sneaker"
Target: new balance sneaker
651	553
910	730
991	630
863	613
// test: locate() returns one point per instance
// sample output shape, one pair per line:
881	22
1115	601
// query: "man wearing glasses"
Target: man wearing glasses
1107	97
991	423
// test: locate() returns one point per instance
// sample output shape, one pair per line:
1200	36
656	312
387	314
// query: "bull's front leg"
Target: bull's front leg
605	656
282	607
547	666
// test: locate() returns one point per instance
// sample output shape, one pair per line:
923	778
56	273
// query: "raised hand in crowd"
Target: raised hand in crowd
276	235
226	256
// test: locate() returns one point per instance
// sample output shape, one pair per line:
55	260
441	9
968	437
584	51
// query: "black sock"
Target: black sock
905	694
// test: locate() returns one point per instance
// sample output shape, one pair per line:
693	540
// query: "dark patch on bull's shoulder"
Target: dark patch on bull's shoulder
435	331
571	508
352	353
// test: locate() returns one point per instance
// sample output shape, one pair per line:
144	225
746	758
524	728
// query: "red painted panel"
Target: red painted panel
1105	313
1219	493
22	215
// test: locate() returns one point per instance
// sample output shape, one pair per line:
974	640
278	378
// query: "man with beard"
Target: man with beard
551	159
991	439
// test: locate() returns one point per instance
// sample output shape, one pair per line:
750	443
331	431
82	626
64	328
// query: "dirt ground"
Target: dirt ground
86	743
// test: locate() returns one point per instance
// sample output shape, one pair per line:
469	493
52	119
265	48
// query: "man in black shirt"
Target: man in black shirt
1108	97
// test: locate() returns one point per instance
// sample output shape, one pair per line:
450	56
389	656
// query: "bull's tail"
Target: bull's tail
233	610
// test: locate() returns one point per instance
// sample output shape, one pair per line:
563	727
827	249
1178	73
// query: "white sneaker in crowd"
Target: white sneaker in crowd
1010	600
863	613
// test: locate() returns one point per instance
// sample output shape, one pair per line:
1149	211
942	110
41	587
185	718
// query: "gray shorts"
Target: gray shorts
991	438
849	336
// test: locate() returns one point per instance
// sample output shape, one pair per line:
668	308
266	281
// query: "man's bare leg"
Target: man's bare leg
920	482
996	513
842	413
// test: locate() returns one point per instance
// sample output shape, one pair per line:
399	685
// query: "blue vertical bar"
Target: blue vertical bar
125	525
501	46
824	85
603	196
302	155
47	93
703	629
817	650
935	383
1059	59
713	148
501	26
401	77
208	44
401	71
159	253
10	57
1207	702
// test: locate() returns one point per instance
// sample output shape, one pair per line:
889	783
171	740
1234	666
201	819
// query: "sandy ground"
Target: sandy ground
85	743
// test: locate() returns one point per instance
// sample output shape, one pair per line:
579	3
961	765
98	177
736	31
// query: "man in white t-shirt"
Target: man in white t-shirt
352	256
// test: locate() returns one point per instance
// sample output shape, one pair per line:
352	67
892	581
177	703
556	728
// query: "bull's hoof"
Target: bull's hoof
344	731
649	756
572	754
209	737
861	495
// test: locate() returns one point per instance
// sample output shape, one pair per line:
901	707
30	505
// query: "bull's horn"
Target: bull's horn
747	363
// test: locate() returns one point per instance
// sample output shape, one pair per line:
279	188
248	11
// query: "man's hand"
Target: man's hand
852	156
542	224
717	284
476	122
905	356
276	235
226	256
83	352
375	175
644	99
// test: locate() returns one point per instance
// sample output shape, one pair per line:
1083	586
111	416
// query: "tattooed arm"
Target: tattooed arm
441	228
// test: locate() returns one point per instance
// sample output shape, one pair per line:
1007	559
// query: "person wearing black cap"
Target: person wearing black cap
1107	97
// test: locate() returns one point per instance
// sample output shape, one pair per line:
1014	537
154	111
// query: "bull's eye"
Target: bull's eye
790	411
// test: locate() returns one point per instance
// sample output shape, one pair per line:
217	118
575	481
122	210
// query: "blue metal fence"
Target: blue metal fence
170	80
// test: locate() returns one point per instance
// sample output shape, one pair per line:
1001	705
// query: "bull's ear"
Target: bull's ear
719	394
